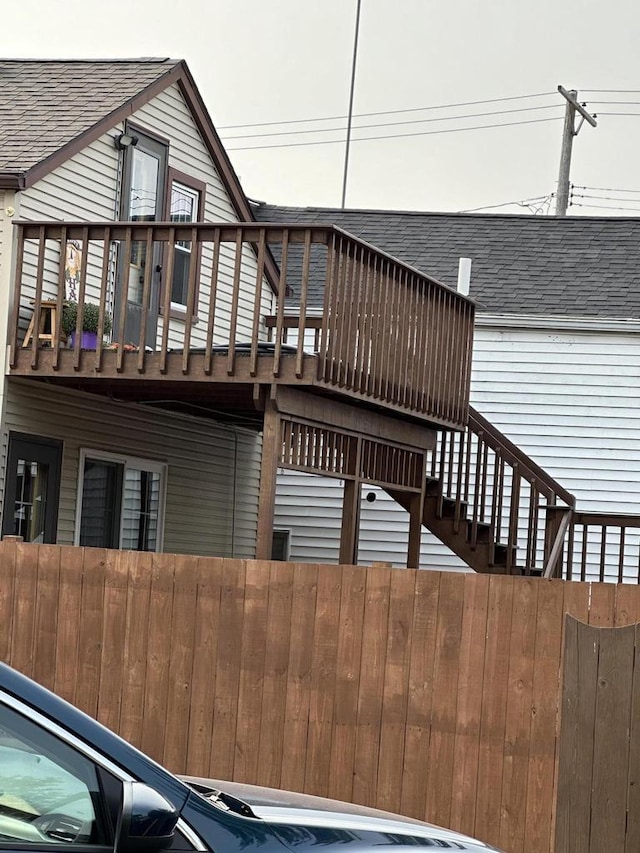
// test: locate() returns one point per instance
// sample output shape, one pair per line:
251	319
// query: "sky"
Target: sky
264	61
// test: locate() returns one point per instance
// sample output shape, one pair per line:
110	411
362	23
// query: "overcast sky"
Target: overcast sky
258	61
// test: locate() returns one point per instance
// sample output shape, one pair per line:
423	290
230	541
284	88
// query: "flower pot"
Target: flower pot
88	340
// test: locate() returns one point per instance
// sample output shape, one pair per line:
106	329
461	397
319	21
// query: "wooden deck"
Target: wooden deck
387	337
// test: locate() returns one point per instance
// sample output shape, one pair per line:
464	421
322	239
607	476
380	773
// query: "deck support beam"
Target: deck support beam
416	508
271	447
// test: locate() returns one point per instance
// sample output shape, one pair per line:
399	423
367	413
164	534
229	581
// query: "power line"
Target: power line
604	189
618	114
608	207
613	91
391	123
505	204
603	197
394	135
387	112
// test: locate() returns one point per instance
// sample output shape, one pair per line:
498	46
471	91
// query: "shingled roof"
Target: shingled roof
47	104
526	265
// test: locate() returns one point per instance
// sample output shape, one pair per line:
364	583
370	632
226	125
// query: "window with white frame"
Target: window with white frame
185	204
120	502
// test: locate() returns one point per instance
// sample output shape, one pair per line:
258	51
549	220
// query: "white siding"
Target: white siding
212	476
310	508
569	399
86	187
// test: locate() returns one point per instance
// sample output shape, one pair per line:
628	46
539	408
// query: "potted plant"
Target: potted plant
90	318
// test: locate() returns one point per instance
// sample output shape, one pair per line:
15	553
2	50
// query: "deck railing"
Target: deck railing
497	495
601	547
387	332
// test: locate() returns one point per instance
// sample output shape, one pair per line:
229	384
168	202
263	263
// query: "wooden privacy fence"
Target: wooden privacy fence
433	694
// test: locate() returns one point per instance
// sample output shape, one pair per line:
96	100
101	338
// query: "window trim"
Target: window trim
137	462
177	311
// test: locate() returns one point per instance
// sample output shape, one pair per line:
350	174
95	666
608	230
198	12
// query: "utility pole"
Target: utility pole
572	107
350	117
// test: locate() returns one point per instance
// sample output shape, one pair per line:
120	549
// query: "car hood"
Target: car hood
292	809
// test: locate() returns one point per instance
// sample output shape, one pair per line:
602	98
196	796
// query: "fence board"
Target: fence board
136	646
396	689
343	742
180	663
371	687
203	671
274	693
444	703
494	709
470	689
301	646
518	714
434	694
323	680
416	755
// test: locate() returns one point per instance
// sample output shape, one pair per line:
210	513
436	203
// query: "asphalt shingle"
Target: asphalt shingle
45	104
530	265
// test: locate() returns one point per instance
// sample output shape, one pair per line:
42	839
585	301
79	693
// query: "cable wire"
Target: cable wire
388	112
391	123
393	135
603	189
505	204
607	207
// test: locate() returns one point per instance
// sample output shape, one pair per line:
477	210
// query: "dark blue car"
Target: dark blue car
67	783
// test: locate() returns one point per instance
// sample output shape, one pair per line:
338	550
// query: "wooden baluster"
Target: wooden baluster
496	503
82	290
373	328
327	305
282	296
146	298
166	299
213	291
570	551
124	295
532	530
514	513
235	300
37	303
192	289
257	304
362	316
603	552
621	555
304	288
56	334
104	285
335	310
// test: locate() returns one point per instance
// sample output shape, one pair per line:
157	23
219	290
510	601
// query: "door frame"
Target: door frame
43	450
156	146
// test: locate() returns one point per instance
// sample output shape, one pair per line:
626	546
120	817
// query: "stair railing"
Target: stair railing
500	494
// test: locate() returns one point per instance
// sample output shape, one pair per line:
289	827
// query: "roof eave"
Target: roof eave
12	180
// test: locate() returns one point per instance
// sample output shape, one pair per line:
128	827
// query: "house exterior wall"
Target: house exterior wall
568	397
86	188
213	471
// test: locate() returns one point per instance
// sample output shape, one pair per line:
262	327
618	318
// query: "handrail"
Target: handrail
388	334
530	470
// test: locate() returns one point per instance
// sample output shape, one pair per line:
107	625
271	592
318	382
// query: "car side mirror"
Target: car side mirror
147	821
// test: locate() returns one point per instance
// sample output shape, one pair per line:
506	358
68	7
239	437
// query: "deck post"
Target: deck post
268	474
415	529
350	522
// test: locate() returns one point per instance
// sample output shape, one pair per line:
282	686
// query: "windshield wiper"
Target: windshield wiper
223	800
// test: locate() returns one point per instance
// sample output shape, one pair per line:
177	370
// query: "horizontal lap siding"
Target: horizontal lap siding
571	401
311	506
213	471
85	188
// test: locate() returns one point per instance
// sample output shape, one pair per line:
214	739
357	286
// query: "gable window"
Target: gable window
120	502
186	204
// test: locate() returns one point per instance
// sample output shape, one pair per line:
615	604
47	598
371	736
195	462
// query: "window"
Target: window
32	488
49	792
120	502
186	203
281	545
